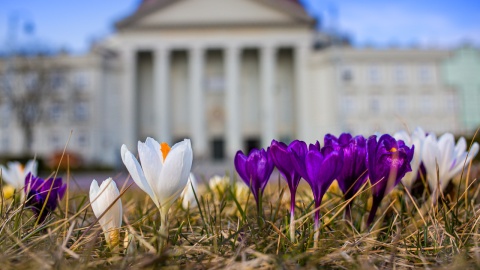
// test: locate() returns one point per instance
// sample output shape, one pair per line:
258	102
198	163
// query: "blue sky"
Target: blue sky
441	23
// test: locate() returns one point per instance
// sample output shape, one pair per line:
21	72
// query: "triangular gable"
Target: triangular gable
165	13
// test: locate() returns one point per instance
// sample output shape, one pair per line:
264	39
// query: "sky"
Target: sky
74	24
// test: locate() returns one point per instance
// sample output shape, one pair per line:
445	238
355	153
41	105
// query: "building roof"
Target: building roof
290	7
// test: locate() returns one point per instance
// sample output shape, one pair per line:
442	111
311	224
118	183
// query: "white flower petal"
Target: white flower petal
446	144
175	172
136	172
155	146
31	167
151	165
430	155
93	197
462	161
188	193
416	139
404	136
8	177
461	146
17	174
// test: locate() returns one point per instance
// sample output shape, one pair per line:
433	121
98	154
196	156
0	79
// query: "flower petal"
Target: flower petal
175	172
8	177
31	167
241	167
93	197
155	146
151	165
136	172
430	155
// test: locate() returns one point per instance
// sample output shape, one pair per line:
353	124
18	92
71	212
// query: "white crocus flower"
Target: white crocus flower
163	174
219	183
417	138
449	158
15	174
101	198
188	194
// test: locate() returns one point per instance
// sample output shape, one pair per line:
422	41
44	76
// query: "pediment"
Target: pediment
217	13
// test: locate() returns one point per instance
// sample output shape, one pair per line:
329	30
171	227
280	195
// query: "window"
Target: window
401	104
5	116
4	83
31	111
31	81
348	105
251	143
81	111
56	111
56	80
80	80
374	74
426	104
83	140
451	103
347	75
425	74
55	141
374	104
218	149
399	74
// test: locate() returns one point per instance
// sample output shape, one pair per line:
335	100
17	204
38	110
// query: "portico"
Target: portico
227	87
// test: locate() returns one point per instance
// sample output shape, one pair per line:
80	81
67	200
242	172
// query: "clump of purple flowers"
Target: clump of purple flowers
350	160
42	196
354	171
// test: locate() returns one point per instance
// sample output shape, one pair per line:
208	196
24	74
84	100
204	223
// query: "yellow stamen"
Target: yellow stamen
165	149
114	238
393	150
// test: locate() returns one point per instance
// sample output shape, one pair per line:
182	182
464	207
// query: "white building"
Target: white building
235	74
370	90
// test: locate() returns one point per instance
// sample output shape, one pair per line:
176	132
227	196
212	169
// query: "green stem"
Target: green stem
292	215
260	210
163	226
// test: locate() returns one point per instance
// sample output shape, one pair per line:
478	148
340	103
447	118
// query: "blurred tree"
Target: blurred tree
30	83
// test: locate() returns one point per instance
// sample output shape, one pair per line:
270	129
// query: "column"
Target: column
197	102
301	77
162	98
233	97
267	73
128	112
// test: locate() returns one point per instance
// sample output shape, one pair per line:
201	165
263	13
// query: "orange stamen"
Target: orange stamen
165	149
393	150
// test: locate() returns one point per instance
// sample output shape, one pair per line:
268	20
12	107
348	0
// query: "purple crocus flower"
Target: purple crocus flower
319	167
354	171
388	160
281	156
255	170
37	191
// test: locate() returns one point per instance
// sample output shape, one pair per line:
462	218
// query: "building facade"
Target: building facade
235	74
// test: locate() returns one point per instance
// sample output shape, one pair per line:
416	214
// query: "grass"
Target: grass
223	232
